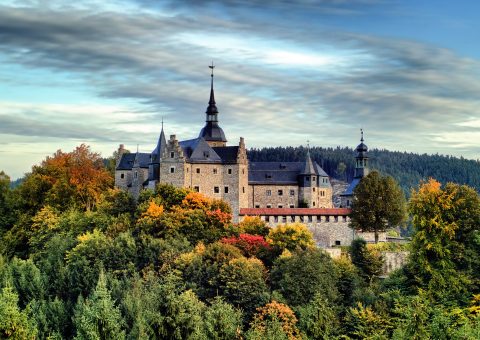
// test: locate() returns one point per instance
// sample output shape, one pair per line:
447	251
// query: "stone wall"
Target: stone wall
258	196
393	260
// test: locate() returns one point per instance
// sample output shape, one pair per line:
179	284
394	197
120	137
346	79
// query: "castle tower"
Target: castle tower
361	170
361	160
155	157
212	132
308	183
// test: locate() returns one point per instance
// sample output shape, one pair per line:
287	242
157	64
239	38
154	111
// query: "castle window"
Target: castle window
229	171
257	206
243	171
122	175
313	178
267	218
198	170
338	243
136	174
313	189
172	154
292	205
280	192
196	188
280	206
172	169
284	219
215	171
269	206
269	192
216	190
313	204
292	192
243	189
226	190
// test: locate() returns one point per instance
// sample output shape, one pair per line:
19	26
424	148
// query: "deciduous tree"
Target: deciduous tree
378	204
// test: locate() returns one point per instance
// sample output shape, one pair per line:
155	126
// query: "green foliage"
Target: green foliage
97	317
242	283
368	262
378	204
318	319
222	321
444	244
365	323
348	280
303	274
14	323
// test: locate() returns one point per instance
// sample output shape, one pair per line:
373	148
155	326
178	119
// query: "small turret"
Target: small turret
361	159
212	132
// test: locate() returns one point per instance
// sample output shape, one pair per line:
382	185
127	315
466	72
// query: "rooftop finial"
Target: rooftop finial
137	148
212	67
361	131
212	109
162	122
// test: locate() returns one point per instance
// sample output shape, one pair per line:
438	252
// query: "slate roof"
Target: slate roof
279	172
351	187
295	211
228	154
127	160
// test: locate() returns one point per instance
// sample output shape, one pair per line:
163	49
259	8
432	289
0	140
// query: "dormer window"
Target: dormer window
206	154
268	175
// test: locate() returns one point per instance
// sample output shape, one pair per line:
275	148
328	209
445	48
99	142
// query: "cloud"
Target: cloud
275	84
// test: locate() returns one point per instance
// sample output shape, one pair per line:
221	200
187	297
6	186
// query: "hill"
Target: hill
409	169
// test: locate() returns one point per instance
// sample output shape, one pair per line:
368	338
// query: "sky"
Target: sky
287	72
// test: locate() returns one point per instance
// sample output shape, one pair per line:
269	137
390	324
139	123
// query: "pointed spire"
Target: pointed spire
162	142
361	131
212	108
308	168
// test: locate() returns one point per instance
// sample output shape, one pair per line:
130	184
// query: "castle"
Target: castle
275	191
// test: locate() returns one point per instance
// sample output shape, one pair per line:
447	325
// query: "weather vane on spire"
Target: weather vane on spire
361	131
212	67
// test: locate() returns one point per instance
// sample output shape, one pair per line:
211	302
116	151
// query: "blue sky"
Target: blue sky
105	73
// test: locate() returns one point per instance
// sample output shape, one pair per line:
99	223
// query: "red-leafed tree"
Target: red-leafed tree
250	245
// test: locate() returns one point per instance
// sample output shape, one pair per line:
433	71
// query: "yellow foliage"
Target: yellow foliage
291	236
277	311
195	200
475	305
154	211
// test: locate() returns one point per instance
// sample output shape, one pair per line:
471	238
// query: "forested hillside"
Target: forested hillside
407	168
82	260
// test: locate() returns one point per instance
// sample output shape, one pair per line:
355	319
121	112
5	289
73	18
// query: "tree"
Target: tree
97	317
378	204
318	319
303	274
274	321
6	204
290	236
445	244
14	322
223	321
368	263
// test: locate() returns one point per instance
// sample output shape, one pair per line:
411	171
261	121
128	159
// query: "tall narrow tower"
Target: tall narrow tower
212	132
361	159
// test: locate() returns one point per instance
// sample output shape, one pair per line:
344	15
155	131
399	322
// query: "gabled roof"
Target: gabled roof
128	159
279	172
198	151
228	154
351	187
